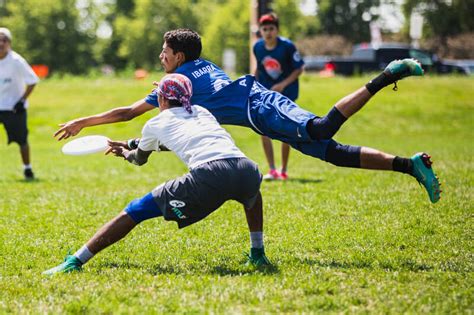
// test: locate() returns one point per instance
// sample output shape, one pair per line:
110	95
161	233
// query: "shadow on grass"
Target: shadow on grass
296	180
27	181
219	270
407	265
224	271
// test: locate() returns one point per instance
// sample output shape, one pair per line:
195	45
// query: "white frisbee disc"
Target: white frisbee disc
86	145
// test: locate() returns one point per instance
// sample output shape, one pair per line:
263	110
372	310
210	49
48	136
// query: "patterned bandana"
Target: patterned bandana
176	87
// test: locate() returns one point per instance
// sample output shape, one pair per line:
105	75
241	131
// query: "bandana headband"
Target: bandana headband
176	87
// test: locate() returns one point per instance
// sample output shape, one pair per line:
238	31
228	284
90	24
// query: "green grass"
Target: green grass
342	240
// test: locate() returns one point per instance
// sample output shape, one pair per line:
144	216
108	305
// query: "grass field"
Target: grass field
342	240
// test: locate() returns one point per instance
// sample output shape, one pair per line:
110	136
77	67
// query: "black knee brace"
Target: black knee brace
324	128
343	155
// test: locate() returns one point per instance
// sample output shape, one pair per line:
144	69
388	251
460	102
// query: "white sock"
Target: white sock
256	239
84	254
27	166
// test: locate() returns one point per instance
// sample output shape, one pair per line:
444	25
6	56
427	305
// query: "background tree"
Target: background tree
442	18
228	27
348	18
50	33
292	21
448	27
142	31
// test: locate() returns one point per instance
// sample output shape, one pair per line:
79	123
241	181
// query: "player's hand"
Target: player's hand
69	129
278	87
118	151
116	145
155	83
19	106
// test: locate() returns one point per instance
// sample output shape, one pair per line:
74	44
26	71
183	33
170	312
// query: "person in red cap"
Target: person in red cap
17	81
218	172
279	65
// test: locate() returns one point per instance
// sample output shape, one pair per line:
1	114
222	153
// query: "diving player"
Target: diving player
247	103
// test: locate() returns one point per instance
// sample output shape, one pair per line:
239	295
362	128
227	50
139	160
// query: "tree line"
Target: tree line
74	36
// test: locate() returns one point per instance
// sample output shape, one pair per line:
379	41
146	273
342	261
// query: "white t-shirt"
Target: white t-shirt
196	138
15	74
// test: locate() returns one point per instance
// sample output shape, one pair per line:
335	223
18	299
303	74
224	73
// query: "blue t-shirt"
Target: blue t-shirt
274	66
214	90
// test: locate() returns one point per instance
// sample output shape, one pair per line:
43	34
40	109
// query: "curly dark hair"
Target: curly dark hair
186	41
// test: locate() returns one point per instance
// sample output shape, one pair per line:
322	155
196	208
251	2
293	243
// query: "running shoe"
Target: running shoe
400	69
272	175
423	172
29	175
257	258
71	263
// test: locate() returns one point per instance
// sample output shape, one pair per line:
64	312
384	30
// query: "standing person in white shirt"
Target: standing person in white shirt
219	172
17	81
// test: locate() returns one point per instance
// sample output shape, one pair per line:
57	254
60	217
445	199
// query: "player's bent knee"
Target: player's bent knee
324	128
142	209
343	155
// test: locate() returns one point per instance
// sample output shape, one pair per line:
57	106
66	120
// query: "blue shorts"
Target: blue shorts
276	116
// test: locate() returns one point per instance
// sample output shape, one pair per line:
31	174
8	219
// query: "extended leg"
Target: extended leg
418	166
324	128
110	233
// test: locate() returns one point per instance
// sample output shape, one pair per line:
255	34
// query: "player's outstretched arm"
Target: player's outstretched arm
73	127
134	156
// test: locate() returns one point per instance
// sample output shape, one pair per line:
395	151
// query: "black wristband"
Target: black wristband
133	143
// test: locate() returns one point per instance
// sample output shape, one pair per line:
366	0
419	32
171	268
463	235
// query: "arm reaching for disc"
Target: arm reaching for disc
136	156
73	127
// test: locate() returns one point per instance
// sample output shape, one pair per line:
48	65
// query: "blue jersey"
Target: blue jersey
274	66
214	90
247	103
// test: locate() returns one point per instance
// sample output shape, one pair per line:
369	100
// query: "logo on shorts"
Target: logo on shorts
178	204
298	132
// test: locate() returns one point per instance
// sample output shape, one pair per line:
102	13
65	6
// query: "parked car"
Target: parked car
466	64
368	58
315	63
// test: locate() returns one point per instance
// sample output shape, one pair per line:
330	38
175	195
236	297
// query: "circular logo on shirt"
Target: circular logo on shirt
297	56
177	203
272	67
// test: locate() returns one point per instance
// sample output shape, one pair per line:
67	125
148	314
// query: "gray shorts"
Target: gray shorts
195	195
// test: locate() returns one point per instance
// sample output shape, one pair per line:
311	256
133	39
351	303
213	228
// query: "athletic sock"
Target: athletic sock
379	82
403	165
256	239
27	166
84	254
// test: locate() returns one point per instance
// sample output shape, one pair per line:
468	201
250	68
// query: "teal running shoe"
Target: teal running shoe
257	258
423	172
399	69
70	264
